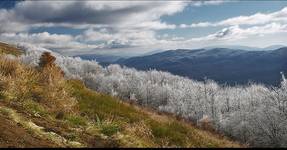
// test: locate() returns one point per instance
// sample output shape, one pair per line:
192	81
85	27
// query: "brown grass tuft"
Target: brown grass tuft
46	85
7	66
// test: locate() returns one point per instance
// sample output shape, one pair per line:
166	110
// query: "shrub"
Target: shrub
55	92
46	60
46	86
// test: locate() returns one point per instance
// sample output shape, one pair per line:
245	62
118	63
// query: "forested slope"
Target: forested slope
41	107
253	113
225	66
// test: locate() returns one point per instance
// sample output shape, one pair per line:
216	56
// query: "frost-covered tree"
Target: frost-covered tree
254	114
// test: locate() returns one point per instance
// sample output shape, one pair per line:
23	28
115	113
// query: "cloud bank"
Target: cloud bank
122	25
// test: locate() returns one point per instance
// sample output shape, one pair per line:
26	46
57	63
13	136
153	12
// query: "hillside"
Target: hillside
222	65
40	108
8	49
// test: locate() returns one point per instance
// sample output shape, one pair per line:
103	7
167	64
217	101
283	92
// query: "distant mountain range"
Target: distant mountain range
248	48
102	59
106	59
231	66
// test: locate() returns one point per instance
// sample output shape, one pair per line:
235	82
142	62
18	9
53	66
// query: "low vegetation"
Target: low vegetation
8	49
64	113
254	114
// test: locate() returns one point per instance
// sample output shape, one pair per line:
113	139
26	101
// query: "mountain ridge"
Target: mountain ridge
220	64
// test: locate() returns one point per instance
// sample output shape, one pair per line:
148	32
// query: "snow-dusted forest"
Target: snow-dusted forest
254	114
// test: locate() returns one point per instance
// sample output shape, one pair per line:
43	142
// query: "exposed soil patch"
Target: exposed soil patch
89	140
14	135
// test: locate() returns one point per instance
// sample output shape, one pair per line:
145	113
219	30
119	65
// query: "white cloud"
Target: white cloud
44	37
55	42
208	2
125	25
8	23
257	36
156	25
135	40
256	19
123	37
86	14
201	24
235	32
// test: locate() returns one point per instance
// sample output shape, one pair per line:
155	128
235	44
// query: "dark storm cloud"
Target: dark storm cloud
77	12
93	12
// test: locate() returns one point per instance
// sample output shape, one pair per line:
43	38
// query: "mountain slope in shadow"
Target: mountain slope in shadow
220	64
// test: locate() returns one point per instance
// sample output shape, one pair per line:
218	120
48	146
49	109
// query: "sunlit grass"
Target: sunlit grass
171	133
78	113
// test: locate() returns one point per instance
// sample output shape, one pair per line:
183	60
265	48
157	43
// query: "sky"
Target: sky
136	27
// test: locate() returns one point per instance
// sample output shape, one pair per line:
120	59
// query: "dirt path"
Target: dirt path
14	135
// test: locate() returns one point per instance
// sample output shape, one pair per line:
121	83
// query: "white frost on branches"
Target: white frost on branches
254	114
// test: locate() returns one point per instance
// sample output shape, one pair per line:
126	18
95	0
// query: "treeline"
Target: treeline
254	114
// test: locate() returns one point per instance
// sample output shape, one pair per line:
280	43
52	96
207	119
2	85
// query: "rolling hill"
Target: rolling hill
220	64
40	108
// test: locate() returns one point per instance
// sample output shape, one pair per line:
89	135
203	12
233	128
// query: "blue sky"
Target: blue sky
219	12
135	27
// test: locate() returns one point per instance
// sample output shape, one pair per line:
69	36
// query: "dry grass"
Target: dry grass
38	130
94	119
142	127
7	66
8	49
24	83
137	135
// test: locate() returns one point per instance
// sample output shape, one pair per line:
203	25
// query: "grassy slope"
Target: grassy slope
142	127
98	120
8	49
